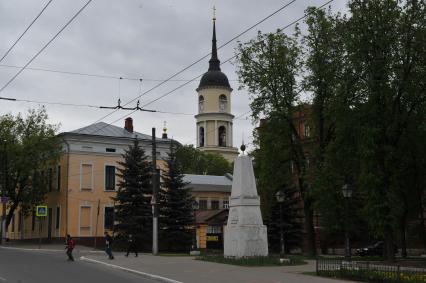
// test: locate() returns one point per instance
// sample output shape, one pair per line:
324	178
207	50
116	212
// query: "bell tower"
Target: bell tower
214	121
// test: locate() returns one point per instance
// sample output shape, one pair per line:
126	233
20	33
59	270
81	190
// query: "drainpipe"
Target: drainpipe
67	187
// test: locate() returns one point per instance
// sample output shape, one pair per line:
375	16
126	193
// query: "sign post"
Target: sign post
41	211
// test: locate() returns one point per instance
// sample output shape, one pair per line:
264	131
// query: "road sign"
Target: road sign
41	210
4	200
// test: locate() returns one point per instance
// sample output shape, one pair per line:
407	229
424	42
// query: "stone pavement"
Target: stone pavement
188	270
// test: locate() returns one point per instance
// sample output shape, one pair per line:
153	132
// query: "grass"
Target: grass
252	261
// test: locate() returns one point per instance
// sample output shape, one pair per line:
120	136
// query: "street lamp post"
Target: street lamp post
280	199
3	195
195	207
347	194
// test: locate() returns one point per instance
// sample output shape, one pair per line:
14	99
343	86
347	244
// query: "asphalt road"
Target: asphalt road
44	267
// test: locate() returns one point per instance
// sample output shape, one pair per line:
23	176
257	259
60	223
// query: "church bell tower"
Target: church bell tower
214	120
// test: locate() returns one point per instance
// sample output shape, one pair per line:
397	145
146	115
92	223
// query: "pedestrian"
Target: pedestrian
70	244
108	245
131	245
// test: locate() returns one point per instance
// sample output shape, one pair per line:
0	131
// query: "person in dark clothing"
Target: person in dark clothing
131	245
108	245
70	244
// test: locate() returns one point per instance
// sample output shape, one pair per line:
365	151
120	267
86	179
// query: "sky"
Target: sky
131	39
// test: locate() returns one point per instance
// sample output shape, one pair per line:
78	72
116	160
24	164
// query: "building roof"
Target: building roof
209	183
214	77
104	129
211	216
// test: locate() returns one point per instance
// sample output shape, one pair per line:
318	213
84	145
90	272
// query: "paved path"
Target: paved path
25	266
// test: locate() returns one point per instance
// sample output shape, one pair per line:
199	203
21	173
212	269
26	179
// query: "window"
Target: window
109	178
200	104
85	221
222	136
58	217
201	136
226	204
215	204
58	179
109	218
86	176
108	149
214	229
222	103
49	179
307	132
203	204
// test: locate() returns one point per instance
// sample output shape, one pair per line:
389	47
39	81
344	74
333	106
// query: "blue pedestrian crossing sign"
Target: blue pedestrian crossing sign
41	210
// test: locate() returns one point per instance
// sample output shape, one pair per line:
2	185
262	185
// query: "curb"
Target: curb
147	275
31	250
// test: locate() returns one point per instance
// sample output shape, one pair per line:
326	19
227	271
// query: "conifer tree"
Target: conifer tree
133	200
176	215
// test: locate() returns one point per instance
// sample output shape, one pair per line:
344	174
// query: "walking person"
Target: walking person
70	244
108	245
131	245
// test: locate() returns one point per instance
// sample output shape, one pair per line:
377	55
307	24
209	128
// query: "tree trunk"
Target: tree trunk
10	214
309	229
388	246
403	227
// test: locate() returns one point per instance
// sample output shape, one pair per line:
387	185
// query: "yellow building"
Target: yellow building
83	183
214	121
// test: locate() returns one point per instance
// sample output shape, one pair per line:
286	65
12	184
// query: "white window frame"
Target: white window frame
81	177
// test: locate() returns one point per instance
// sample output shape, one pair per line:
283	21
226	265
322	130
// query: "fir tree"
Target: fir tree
176	215
133	200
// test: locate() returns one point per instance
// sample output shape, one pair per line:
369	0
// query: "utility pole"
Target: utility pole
154	196
3	195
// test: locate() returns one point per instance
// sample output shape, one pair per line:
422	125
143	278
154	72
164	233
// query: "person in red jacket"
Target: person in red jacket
70	246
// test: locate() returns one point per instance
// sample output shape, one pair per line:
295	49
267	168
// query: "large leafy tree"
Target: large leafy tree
28	146
195	161
176	215
133	200
268	67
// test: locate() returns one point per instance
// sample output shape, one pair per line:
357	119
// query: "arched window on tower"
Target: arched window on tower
201	136
200	104
222	136
223	103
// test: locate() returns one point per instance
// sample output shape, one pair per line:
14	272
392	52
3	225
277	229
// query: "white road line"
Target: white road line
2	279
32	250
152	276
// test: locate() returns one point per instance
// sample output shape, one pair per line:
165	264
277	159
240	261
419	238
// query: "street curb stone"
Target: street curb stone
148	275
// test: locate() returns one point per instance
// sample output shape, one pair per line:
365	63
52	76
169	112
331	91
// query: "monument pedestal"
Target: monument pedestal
245	234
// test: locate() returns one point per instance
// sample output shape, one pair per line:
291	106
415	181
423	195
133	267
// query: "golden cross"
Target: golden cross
214	13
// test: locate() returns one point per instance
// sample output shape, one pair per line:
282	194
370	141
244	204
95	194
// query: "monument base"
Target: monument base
245	241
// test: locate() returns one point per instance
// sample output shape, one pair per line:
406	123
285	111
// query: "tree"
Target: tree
176	216
28	146
133	200
268	67
195	161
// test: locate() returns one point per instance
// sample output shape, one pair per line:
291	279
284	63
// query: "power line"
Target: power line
25	31
45	46
202	58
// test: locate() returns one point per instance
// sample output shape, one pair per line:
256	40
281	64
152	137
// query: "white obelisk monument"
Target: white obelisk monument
245	234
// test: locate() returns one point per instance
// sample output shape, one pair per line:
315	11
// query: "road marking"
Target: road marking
32	250
152	276
2	279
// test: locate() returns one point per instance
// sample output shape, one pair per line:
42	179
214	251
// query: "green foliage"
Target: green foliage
197	162
29	147
253	261
133	200
176	214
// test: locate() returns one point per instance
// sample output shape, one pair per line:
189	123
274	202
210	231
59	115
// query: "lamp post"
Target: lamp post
347	194
195	207
280	199
3	195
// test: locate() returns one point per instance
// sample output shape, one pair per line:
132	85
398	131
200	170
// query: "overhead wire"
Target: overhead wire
25	31
45	46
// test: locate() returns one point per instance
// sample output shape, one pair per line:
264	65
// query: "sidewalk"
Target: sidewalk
188	270
78	251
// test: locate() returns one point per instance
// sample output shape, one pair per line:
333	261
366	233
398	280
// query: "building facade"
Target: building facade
83	183
214	121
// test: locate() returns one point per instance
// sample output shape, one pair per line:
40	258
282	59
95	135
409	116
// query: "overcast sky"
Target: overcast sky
144	39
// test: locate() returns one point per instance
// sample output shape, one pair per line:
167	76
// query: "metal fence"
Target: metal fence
369	271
